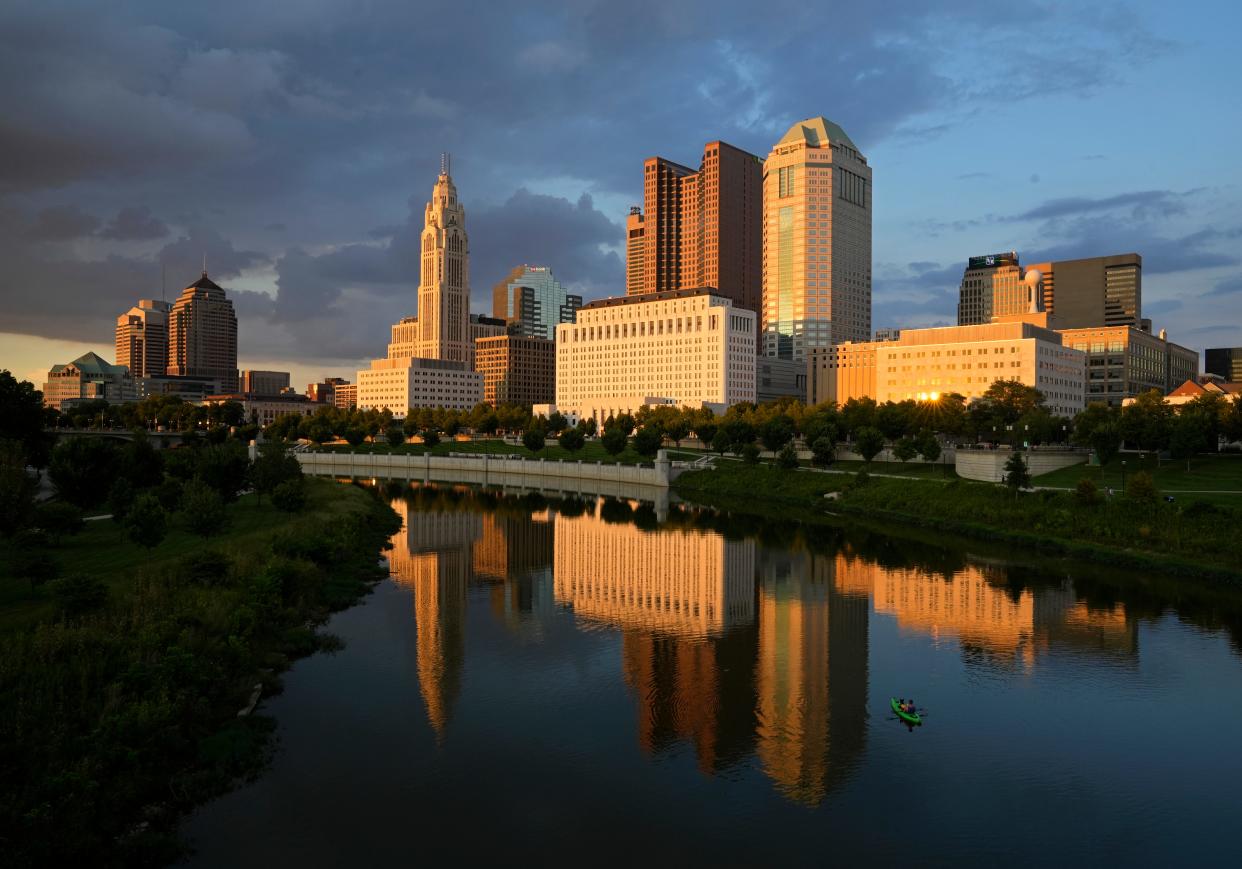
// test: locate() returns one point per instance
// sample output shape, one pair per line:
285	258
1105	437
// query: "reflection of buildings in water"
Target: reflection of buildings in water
986	617
524	604
692	582
512	545
810	675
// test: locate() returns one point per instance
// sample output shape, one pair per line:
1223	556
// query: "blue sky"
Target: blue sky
295	144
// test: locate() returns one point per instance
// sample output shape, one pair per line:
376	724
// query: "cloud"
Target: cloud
550	56
1161	306
134	223
62	223
1140	204
1227	287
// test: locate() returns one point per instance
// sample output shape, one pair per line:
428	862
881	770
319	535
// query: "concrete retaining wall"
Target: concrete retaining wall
489	470
989	465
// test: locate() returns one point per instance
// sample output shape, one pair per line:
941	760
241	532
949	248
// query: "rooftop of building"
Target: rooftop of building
1193	388
91	364
816	132
663	295
288	397
204	283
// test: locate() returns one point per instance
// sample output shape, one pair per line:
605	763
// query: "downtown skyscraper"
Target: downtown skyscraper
202	334
444	282
816	241
699	228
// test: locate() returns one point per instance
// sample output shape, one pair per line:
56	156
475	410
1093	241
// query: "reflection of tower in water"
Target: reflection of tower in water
432	555
810	674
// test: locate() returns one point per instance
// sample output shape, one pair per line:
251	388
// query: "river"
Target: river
587	681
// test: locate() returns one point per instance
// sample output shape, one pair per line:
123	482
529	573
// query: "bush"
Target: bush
58	518
169	493
34	565
750	454
1087	493
787	458
868	441
82	469
290	496
1016	474
207	567
861	480
533	439
721	442
395	436
355	436
203	509
431	439
1141	488
79	595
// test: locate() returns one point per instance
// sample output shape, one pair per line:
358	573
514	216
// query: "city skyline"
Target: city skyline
296	250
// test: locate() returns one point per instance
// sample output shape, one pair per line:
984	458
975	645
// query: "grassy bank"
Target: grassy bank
1186	539
115	722
1213	478
591	452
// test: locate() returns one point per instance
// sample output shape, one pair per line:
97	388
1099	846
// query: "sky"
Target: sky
294	144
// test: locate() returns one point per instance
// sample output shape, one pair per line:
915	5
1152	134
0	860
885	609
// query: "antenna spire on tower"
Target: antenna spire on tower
445	162
204	263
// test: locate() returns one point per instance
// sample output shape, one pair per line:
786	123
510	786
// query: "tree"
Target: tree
17	488
572	439
706	432
203	509
83	469
284	427
1087	493
676	427
1147	422
739	431
290	496
140	462
557	422
22	419
904	450
647	441
857	413
1106	441
1141	488
1231	420
431	440
1009	400
58	518
273	466
1017	476
868	441
226	468
928	447
1191	433
623	423
33	565
787	458
777	432
823	451
894	419
147	522
721	442
588	426
533	439
750	454
80	595
355	436
395	436
614	441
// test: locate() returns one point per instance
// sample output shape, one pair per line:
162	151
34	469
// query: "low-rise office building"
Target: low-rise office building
88	378
325	390
1123	362
264	409
186	387
779	378
516	369
1224	362
923	364
345	396
264	382
402	383
680	347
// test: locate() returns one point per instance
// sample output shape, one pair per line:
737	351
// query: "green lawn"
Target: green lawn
102	549
591	452
908	469
1216	479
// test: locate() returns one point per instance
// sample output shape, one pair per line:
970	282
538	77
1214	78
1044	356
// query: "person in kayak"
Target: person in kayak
907	706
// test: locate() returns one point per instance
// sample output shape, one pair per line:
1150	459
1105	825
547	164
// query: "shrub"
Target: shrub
290	496
1087	493
750	454
58	518
1141	488
572	439
533	439
823	451
647	441
431	439
861	480
83	469
355	436
121	498
169	493
203	509
787	458
868	441
79	595
1016	474
34	565
207	567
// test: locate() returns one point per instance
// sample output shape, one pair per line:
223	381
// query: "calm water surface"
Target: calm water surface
577	682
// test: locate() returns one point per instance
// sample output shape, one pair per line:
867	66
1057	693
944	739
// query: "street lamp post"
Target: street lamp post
1123	475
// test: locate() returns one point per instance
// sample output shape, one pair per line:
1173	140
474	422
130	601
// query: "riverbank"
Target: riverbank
116	722
1190	540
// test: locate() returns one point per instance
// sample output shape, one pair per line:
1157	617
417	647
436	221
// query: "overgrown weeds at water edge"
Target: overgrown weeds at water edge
115	723
1190	539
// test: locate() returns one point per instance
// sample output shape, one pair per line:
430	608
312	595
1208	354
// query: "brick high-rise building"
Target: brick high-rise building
517	369
816	241
202	334
699	228
142	338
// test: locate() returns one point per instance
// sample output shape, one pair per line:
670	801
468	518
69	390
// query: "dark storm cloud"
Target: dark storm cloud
229	119
62	223
135	223
1228	287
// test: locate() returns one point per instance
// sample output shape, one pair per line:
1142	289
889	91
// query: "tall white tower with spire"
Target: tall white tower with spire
444	281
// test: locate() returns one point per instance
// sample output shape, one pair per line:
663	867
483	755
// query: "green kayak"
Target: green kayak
908	717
